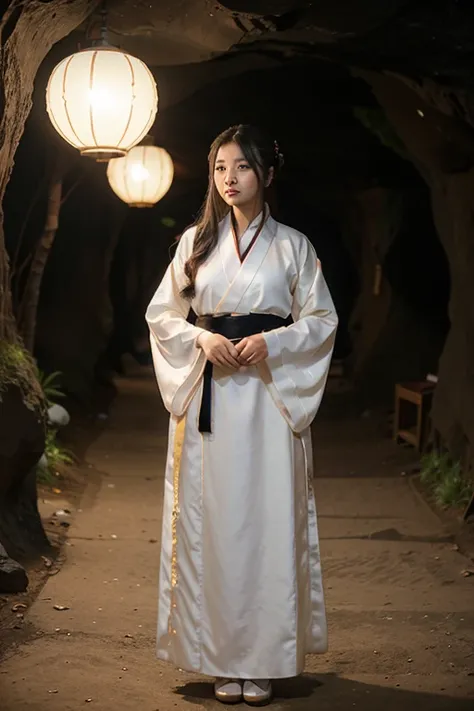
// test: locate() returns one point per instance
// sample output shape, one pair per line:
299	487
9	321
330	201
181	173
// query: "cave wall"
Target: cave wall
371	223
75	313
145	248
27	34
441	148
398	324
75	318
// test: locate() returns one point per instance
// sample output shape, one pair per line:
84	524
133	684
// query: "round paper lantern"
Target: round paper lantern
142	177
102	101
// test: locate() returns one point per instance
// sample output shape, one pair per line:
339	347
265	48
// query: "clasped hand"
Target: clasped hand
220	351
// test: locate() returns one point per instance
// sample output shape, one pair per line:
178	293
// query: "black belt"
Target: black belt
233	328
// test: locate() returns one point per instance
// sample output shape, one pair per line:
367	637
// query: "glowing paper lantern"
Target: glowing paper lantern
142	177
102	101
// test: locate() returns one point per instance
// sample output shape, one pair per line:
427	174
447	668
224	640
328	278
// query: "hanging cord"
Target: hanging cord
103	26
98	28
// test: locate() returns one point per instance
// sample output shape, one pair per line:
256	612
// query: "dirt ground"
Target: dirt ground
400	610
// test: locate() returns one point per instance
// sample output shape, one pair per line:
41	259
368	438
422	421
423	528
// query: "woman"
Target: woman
241	596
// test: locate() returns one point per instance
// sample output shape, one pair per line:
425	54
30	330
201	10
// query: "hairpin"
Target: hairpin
279	159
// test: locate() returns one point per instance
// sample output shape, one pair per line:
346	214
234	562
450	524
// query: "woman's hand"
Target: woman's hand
252	350
219	350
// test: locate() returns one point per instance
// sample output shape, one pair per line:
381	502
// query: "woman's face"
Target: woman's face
234	179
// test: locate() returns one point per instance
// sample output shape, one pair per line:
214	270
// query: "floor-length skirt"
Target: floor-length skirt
240	590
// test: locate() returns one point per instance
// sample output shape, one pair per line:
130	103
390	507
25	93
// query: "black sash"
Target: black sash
234	328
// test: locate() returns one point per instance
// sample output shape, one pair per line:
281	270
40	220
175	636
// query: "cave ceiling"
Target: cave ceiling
426	42
310	52
421	38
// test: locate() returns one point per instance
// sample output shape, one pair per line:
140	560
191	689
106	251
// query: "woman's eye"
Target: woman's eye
244	166
220	168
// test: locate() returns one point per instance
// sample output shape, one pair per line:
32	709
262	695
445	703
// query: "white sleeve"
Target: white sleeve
178	361
299	355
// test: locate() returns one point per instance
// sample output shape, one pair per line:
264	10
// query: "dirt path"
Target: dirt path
401	615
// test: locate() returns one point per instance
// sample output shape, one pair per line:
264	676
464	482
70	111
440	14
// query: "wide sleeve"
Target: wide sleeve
299	355
178	361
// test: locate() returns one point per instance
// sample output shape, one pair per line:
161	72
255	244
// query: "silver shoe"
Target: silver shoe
228	691
258	692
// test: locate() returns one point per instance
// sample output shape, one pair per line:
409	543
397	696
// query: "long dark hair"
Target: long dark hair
261	153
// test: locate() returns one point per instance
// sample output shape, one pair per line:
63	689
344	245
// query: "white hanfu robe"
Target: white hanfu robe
240	591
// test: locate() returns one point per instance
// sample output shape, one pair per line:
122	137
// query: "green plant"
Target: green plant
44	475
50	386
17	368
434	465
56	455
452	488
444	477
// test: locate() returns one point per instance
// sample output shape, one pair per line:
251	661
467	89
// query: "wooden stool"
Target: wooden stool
412	405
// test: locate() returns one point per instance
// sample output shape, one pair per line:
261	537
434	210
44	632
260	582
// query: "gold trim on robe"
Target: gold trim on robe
177	452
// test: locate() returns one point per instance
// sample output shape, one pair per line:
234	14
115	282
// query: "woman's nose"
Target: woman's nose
230	178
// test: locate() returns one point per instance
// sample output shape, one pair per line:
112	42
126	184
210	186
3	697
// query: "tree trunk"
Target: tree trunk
30	299
443	153
375	217
27	33
453	405
397	325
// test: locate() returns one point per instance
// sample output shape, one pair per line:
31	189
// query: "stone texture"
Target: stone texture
13	577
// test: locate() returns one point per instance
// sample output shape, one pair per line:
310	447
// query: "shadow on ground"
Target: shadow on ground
330	692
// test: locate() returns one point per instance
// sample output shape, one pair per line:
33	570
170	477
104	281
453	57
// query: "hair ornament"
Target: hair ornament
279	158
